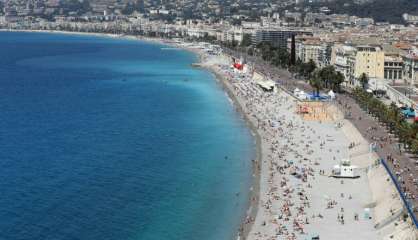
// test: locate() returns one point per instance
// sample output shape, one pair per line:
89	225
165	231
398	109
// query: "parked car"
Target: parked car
408	112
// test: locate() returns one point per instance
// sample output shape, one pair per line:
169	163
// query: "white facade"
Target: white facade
342	59
410	67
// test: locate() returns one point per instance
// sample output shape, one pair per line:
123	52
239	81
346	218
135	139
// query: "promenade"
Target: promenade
403	164
297	198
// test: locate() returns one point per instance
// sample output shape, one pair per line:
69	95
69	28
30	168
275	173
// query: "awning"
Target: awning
264	83
267	85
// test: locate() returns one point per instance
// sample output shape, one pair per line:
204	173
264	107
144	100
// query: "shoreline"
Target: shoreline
247	224
160	41
252	209
254	192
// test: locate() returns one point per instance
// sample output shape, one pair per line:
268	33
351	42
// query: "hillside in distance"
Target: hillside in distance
381	10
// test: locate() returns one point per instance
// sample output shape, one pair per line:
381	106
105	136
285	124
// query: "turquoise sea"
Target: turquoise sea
105	138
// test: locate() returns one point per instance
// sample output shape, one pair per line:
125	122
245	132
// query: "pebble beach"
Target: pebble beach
294	193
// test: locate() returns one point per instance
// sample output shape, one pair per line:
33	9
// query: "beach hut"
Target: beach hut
264	83
267	85
367	213
345	170
348	171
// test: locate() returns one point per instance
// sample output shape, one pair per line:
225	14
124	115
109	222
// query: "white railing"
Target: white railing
398	97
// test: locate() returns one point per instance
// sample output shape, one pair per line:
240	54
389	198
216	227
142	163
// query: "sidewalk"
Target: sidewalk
402	165
400	162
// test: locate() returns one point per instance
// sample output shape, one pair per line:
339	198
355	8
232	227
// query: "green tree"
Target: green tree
414	146
246	40
310	68
316	82
250	51
337	81
266	51
284	57
327	74
364	80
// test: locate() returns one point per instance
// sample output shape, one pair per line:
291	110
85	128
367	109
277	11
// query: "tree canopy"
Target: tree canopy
364	80
391	117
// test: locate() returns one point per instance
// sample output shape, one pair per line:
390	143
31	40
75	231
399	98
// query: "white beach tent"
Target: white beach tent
331	94
302	95
296	92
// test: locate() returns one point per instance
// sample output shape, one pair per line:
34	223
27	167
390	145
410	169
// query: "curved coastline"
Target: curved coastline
254	196
247	223
252	209
256	163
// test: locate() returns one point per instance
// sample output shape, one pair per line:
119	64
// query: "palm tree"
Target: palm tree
337	80
327	74
404	130
414	146
394	116
316	82
364	80
309	68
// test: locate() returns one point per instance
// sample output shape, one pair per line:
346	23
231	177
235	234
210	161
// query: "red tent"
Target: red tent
238	66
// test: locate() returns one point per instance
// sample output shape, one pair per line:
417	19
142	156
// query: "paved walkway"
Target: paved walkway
401	163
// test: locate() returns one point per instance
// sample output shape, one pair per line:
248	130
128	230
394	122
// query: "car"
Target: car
409	112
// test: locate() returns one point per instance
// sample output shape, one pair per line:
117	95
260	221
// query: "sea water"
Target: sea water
104	138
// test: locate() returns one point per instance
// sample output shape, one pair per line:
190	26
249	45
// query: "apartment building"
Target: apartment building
277	37
369	60
353	61
393	64
410	68
342	60
312	48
